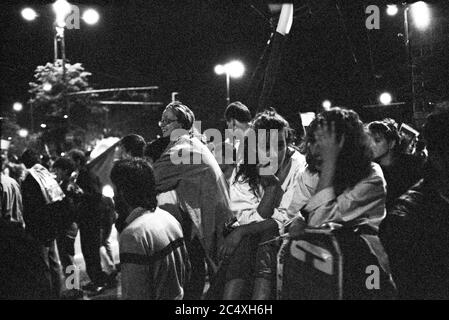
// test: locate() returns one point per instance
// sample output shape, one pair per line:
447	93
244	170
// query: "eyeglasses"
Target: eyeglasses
166	122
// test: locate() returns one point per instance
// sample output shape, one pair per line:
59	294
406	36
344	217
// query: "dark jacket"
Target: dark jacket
41	219
416	238
403	174
94	208
23	272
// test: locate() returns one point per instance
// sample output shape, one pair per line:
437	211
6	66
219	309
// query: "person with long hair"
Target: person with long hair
259	200
401	170
350	193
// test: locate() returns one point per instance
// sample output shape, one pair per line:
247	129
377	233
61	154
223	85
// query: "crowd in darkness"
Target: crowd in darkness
217	229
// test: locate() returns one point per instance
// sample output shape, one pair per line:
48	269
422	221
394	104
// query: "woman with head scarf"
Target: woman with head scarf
192	187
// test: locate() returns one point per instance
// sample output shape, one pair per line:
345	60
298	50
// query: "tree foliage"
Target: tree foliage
65	115
49	90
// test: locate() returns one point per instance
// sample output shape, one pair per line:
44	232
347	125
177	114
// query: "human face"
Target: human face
313	156
272	155
236	126
379	146
168	123
230	124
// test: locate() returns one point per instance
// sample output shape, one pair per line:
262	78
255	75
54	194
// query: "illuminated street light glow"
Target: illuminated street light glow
28	14
392	9
66	116
326	104
219	69
43	125
91	16
62	9
232	69
421	14
17	106
23	133
385	98
235	69
47	87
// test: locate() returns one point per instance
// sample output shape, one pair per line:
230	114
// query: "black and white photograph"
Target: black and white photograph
224	155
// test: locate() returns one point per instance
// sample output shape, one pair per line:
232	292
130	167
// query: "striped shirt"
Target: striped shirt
153	257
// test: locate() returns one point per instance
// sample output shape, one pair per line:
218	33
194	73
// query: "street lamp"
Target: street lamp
421	17
326	104
234	69
421	14
385	98
392	9
62	9
23	133
17	106
28	14
47	87
90	16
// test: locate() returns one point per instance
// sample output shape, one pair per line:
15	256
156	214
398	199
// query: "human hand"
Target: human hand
297	228
230	243
326	139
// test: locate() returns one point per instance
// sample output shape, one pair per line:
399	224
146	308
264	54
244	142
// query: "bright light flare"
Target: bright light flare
28	14
219	69
17	106
47	87
392	9
62	9
91	16
23	133
235	69
326	104
385	98
421	14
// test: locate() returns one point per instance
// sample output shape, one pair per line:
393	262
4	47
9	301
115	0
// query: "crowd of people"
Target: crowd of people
216	228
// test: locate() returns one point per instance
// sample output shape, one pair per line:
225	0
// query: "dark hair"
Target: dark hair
436	128
30	157
238	111
64	164
183	114
354	160
78	155
133	144
135	178
268	119
389	129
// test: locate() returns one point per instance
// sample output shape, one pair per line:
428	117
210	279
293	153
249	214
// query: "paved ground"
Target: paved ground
110	293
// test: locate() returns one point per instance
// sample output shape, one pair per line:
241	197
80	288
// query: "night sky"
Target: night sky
175	45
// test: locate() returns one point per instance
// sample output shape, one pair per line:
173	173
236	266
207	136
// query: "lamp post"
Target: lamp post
421	17
234	69
62	10
409	58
